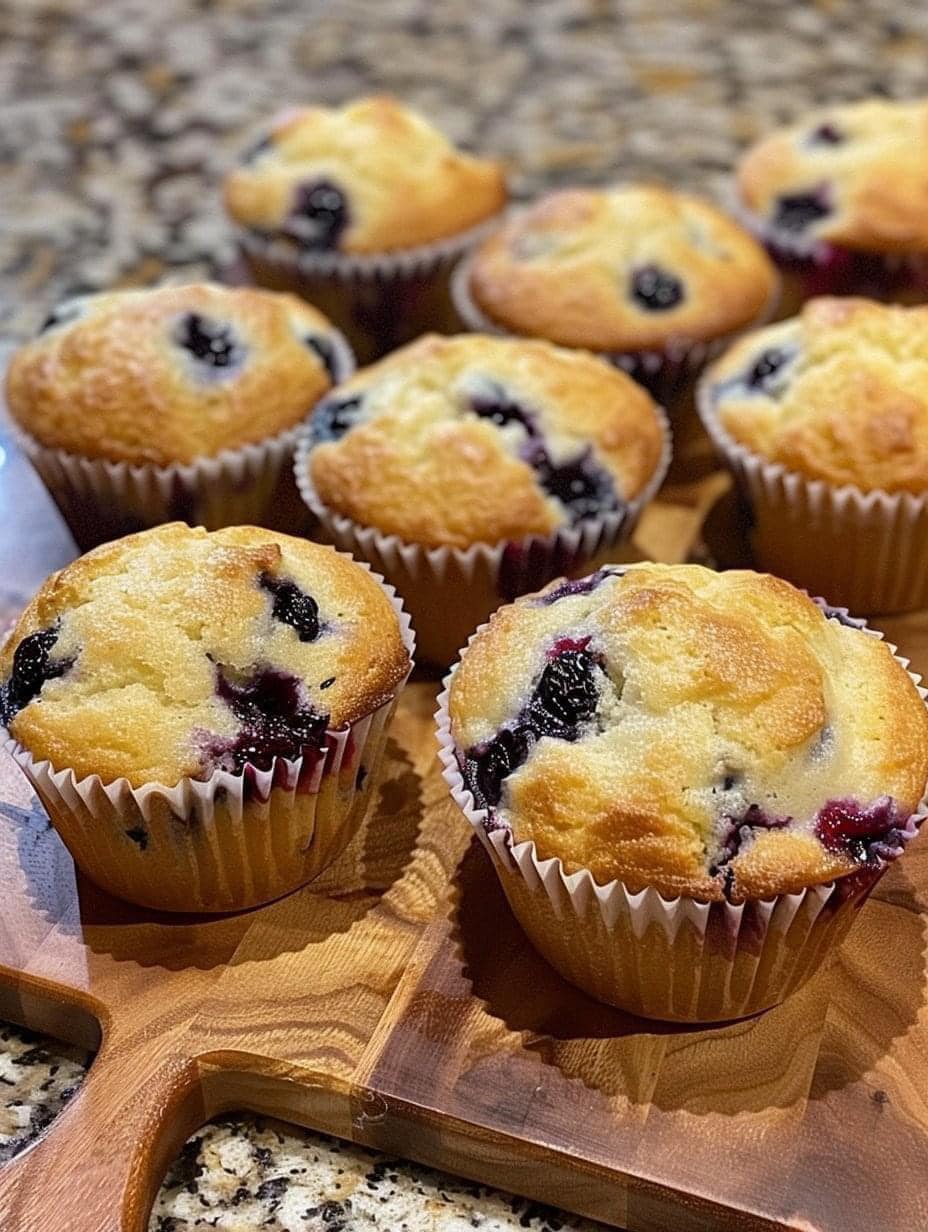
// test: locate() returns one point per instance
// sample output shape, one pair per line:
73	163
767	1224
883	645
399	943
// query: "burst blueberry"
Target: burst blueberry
563	700
292	606
584	488
275	720
502	410
32	667
487	766
866	834
210	342
566	695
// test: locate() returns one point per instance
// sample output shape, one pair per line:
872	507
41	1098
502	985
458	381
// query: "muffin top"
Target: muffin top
630	268
369	177
176	652
716	735
455	441
838	393
173	373
855	175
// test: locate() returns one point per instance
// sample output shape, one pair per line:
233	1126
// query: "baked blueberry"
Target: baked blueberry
333	417
210	342
578	586
293	606
767	365
734	830
31	668
656	289
865	834
566	696
496	405
487	766
276	720
562	700
319	215
583	487
798	211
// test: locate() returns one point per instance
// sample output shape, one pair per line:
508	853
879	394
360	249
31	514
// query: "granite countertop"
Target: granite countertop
118	121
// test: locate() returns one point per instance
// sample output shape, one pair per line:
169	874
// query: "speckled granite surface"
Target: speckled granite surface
118	119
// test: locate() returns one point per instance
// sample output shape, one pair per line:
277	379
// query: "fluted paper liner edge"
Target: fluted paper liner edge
673	959
231	841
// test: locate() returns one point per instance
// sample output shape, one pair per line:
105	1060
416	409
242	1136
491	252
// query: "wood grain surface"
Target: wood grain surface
397	1003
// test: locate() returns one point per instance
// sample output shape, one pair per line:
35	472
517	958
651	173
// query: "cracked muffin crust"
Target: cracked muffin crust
854	174
177	652
630	268
370	177
475	439
171	374
710	735
839	393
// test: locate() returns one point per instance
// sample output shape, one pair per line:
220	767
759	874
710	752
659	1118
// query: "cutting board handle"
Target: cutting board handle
98	1166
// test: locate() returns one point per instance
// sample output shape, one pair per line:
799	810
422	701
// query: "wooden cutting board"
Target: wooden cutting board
399	1005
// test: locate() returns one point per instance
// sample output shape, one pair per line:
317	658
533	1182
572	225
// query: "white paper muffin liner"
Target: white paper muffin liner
450	591
102	499
667	374
867	551
365	267
379	300
228	842
675	959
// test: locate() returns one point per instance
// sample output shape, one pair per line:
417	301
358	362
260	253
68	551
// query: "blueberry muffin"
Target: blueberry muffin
171	374
627	270
143	406
824	419
717	737
843	195
454	443
839	393
363	209
239	668
370	177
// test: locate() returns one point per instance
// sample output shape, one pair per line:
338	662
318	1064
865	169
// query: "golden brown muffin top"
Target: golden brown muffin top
172	374
708	734
475	439
177	652
370	177
631	268
838	393
854	174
